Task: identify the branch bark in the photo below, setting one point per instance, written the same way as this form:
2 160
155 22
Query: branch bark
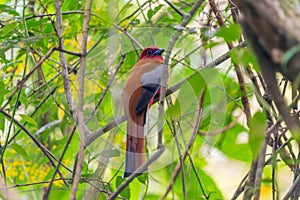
83 130
272 32
63 61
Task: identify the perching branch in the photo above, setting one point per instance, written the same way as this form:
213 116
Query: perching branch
83 130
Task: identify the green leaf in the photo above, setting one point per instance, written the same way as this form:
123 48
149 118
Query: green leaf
13 12
20 150
29 120
143 178
9 27
189 93
9 10
126 7
249 58
23 98
126 192
257 125
289 54
2 122
110 153
245 57
229 34
232 146
150 14
73 5
2 91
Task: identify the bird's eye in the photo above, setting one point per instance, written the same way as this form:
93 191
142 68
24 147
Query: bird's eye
149 52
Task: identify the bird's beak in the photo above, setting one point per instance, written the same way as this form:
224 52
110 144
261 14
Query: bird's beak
158 52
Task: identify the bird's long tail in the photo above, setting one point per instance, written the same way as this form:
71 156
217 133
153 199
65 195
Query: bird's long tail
135 150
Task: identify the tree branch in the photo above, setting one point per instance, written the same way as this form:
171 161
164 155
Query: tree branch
83 130
63 61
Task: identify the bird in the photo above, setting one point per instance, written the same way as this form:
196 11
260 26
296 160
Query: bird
141 88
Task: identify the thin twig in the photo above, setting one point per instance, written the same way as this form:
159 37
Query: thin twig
131 38
107 88
192 163
174 7
21 82
77 171
66 51
47 192
240 76
259 171
53 14
169 102
242 185
240 188
189 145
295 185
133 13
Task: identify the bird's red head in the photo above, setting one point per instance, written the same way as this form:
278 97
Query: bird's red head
152 52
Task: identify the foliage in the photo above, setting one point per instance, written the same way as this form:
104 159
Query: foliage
37 124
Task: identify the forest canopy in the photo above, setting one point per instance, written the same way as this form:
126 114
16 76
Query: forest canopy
226 125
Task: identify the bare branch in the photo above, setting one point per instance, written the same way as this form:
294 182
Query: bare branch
63 61
174 8
83 130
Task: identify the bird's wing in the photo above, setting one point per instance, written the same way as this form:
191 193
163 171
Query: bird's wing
150 82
